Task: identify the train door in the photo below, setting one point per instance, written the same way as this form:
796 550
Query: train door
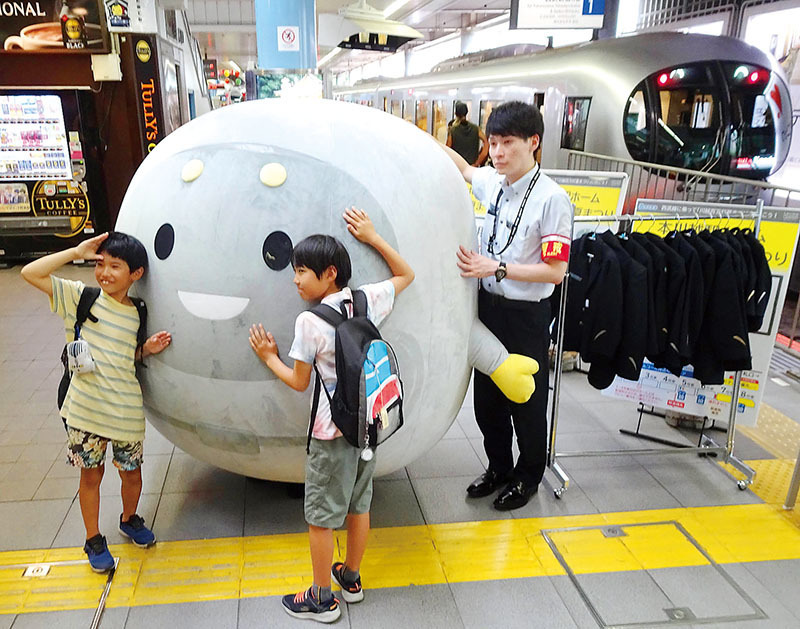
440 120
421 114
409 111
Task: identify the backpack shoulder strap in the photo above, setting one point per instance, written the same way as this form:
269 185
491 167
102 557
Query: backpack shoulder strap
359 303
141 308
89 295
318 384
328 314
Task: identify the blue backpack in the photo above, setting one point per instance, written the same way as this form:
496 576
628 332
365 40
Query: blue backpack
367 405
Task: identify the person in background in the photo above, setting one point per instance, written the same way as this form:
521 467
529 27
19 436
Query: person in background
466 138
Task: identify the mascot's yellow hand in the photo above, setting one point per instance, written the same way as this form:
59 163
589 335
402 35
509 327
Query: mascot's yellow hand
514 377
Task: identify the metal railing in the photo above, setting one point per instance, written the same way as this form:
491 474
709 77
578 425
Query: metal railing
657 181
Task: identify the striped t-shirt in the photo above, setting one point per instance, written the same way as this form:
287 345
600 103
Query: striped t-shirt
108 400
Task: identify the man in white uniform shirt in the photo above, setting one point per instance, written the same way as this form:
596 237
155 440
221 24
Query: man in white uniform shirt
523 254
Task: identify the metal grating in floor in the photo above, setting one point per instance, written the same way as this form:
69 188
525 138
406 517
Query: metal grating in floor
638 590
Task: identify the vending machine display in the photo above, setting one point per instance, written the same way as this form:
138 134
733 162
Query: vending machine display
50 183
33 140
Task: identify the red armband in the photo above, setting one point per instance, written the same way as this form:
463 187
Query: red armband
555 247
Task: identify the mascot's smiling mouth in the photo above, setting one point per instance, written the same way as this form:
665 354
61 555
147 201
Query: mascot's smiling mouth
214 307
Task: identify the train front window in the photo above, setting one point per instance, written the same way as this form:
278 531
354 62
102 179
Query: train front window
752 143
636 130
689 133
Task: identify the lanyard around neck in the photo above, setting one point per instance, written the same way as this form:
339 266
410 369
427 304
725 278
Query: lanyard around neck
515 226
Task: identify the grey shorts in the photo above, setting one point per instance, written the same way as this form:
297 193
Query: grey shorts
338 482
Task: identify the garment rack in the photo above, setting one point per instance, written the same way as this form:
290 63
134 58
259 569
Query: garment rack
706 446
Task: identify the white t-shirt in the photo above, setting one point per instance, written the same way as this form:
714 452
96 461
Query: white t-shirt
543 233
315 339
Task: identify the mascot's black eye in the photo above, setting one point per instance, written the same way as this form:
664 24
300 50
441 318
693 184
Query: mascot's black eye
165 240
277 251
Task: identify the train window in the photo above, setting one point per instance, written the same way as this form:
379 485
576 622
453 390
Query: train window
408 111
573 131
690 131
538 100
397 108
752 141
440 120
636 129
421 117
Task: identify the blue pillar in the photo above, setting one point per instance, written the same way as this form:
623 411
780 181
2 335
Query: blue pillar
285 34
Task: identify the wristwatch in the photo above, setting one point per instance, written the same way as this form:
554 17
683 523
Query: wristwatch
500 272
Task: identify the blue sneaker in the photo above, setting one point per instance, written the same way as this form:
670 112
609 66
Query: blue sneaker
305 605
96 550
135 530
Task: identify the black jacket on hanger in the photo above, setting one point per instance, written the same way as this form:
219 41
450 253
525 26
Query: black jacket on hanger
723 343
593 323
639 253
763 281
660 282
707 261
677 346
692 316
627 362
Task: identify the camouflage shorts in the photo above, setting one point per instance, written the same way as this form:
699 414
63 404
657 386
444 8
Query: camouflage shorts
89 450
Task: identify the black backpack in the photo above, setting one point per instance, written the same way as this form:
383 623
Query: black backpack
89 295
367 405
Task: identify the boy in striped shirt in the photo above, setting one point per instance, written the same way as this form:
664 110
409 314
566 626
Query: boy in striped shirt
105 404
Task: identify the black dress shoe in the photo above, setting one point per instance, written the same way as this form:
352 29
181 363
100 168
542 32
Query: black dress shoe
485 484
515 495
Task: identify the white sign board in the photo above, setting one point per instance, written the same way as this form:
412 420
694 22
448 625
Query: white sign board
557 14
288 38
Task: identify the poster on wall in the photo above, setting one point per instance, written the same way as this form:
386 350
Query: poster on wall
657 387
74 26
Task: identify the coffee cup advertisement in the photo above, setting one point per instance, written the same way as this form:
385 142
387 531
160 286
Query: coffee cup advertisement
53 26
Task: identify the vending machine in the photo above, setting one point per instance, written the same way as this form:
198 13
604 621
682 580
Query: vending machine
51 188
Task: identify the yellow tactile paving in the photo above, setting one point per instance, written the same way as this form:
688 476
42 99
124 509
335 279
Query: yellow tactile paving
231 568
775 432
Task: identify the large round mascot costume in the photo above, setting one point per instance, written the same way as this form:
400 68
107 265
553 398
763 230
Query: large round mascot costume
219 203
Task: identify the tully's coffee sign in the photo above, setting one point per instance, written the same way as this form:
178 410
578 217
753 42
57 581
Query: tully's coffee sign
61 199
51 26
151 116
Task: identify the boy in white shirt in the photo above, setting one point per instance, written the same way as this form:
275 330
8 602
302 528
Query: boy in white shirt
338 483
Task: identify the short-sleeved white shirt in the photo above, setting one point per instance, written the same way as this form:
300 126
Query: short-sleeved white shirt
315 339
543 232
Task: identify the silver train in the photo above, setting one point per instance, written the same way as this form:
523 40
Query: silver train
705 103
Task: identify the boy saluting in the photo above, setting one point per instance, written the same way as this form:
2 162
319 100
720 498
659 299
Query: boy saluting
105 404
338 483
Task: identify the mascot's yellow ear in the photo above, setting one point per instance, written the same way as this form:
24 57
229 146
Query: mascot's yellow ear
514 377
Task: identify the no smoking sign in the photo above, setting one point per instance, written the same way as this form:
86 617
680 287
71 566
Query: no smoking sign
288 38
